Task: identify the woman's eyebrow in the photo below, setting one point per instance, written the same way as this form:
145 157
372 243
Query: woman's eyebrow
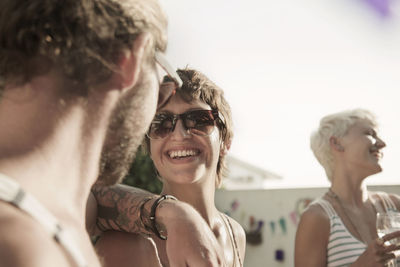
168 112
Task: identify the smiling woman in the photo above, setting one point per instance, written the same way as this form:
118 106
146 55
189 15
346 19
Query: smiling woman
188 140
339 229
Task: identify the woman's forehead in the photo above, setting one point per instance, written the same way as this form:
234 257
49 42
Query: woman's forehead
178 105
364 124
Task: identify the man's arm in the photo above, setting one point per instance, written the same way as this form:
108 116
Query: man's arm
118 208
190 240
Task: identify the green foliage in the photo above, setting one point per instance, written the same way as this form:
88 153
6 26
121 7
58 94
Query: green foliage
143 174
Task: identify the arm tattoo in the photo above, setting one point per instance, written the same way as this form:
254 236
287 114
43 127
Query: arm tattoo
119 208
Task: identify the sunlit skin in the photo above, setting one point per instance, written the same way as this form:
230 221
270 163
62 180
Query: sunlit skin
196 171
356 156
362 150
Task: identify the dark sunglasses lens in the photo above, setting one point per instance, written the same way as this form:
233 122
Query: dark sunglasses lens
161 126
167 89
200 122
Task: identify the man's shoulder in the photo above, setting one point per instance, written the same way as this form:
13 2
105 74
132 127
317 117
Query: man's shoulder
15 223
23 241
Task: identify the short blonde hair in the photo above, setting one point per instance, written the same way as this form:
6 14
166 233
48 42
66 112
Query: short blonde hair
335 125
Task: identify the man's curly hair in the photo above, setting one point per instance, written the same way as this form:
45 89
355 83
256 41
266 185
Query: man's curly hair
83 38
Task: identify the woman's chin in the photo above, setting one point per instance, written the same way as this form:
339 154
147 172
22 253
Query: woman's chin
377 169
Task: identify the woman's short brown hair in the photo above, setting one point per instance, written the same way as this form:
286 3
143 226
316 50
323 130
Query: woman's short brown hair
197 86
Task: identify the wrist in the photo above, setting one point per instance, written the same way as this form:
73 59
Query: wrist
144 214
157 229
153 212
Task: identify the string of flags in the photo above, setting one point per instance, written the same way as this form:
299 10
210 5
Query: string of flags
254 226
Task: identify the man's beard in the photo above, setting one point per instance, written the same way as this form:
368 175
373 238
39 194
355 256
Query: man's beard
126 130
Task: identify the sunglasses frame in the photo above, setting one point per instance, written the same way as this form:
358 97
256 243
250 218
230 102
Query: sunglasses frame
165 65
175 117
168 88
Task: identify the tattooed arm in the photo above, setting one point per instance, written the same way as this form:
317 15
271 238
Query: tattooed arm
190 241
117 208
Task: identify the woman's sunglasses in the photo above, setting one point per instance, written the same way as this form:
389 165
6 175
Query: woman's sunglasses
198 122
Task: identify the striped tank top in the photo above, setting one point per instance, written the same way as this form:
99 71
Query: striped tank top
343 248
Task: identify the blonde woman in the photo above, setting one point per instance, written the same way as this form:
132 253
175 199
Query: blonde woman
339 229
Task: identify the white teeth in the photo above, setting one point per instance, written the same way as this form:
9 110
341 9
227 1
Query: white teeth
182 153
377 154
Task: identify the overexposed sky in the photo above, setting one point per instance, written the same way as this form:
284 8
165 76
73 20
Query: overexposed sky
285 64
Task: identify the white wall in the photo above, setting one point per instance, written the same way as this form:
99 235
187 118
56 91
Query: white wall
271 206
285 64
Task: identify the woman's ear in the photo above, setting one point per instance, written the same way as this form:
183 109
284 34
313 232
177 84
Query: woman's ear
335 145
130 63
225 146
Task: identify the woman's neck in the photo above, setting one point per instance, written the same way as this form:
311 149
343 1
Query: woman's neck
353 192
199 196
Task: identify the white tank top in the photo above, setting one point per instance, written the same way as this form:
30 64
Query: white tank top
343 248
11 192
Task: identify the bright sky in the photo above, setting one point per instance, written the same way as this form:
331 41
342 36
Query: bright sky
285 64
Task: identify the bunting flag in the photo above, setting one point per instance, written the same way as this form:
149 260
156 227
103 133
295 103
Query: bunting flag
282 223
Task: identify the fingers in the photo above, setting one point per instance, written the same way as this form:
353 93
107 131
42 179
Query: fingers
379 242
385 258
384 250
391 236
384 247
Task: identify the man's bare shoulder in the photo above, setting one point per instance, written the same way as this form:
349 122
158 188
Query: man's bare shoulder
24 242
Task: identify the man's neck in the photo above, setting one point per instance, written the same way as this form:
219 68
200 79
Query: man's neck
50 146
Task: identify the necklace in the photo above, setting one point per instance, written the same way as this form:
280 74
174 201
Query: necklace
336 197
233 239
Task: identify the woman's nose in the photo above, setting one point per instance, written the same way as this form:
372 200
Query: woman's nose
180 130
380 143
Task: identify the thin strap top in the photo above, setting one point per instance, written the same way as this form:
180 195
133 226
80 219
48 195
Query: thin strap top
232 236
10 191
